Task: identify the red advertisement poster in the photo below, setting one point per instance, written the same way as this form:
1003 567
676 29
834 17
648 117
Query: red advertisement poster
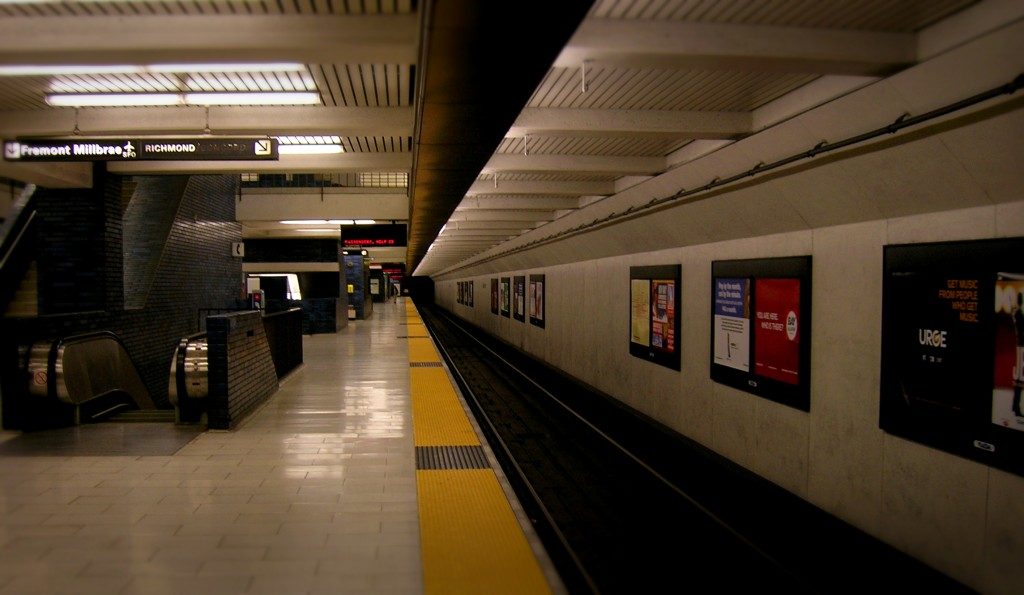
777 329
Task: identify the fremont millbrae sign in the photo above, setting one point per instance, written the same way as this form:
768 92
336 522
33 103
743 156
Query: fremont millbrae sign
133 149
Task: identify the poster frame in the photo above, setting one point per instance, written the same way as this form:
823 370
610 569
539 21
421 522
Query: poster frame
537 284
494 295
505 297
652 273
519 298
966 429
796 395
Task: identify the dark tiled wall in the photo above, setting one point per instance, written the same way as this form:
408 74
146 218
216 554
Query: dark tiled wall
319 315
358 276
242 372
147 223
195 270
78 237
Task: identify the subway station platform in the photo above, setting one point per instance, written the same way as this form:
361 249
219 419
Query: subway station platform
364 473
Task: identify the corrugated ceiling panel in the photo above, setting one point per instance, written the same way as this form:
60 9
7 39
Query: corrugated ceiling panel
363 85
550 145
698 90
377 144
558 177
878 15
119 8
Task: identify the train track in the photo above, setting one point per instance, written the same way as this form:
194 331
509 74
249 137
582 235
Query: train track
625 506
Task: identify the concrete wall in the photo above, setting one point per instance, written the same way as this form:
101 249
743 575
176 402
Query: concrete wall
959 516
955 176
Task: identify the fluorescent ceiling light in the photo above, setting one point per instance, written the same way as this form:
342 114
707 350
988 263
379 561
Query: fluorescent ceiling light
59 69
113 99
341 221
309 149
365 221
44 70
305 222
237 67
309 140
259 98
129 99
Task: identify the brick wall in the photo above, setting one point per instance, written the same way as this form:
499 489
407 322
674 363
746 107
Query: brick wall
81 257
242 372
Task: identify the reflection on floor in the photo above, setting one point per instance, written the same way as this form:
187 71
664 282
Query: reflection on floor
315 493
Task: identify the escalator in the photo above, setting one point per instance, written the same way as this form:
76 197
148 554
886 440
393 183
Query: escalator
94 374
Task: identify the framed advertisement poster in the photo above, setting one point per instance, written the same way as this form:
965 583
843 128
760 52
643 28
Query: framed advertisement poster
494 296
654 314
519 298
458 292
760 327
506 297
953 348
469 293
536 298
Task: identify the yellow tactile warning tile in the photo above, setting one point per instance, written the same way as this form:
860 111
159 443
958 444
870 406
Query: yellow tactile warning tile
471 541
422 350
438 416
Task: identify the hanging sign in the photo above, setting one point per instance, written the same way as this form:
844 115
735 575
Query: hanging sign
135 149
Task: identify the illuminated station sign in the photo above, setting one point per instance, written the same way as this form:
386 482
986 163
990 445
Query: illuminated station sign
135 149
374 236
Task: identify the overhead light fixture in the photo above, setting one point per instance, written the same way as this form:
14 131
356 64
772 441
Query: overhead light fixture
46 70
257 98
365 221
152 99
113 99
69 69
235 67
317 222
309 149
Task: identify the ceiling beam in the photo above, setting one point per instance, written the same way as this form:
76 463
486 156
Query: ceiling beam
653 124
315 205
470 88
525 202
545 188
510 215
264 120
488 224
575 164
49 175
686 45
176 39
343 163
480 233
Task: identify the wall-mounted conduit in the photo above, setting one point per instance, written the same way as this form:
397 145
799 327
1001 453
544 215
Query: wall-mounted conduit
904 121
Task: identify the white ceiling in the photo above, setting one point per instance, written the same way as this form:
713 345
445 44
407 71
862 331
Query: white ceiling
642 87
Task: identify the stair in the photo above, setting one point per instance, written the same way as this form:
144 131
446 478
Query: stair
143 416
26 300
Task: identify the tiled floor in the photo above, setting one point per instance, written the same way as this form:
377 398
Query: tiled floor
315 493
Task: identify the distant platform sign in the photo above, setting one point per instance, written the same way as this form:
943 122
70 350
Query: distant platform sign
134 149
